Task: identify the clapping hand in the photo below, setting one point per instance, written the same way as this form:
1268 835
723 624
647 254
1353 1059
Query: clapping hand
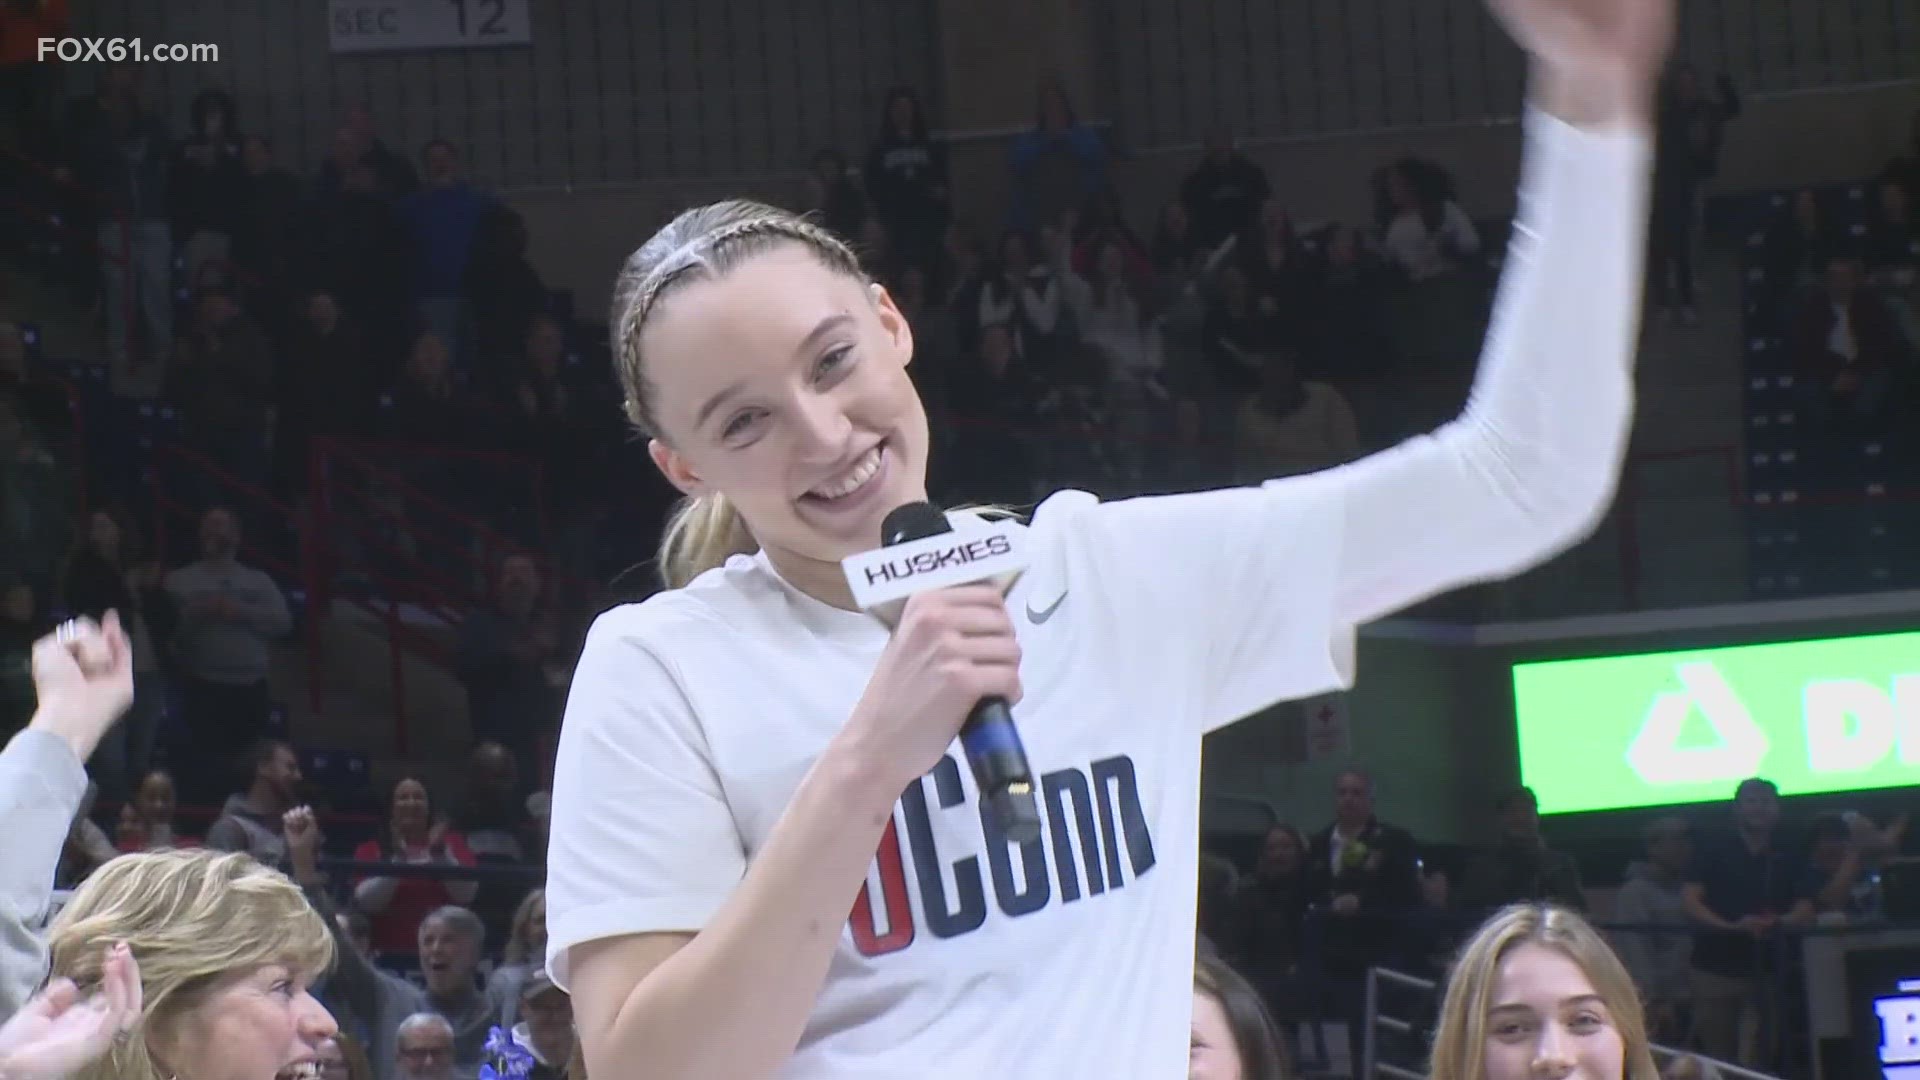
58 1032
82 680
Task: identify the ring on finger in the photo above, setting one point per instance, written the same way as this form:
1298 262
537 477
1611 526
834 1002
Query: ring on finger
67 632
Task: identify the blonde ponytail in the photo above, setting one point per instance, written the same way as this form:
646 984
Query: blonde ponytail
703 533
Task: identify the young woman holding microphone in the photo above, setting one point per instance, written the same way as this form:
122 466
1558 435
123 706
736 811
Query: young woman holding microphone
735 747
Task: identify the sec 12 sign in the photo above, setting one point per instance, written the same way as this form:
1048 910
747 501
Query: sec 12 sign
1607 733
355 26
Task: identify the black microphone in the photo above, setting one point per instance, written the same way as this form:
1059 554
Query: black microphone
992 743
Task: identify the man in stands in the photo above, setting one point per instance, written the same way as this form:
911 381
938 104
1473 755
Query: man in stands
1520 866
547 1028
1743 886
508 658
251 820
1847 344
229 615
426 1049
450 941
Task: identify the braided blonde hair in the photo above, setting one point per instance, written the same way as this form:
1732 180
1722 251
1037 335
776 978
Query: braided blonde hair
701 244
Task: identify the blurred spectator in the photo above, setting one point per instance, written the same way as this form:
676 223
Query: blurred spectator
499 832
1176 249
1426 234
1057 165
21 624
369 1004
450 941
443 218
1364 877
356 144
1273 906
1687 152
1520 867
1101 222
223 373
525 954
209 182
1893 234
264 217
41 401
1653 896
1742 886
252 820
547 1031
33 504
355 247
964 278
1276 265
1847 346
29 87
877 254
1235 322
229 615
1290 425
834 197
87 847
507 294
1347 327
105 573
510 656
428 406
992 396
1905 169
1022 294
426 1049
907 179
1803 241
323 390
1224 192
119 153
151 827
397 903
1836 872
1110 315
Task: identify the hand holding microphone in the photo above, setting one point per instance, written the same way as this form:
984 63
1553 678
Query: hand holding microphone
953 662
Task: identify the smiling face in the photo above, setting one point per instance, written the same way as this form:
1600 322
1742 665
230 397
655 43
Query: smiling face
258 1025
1547 1022
782 384
411 808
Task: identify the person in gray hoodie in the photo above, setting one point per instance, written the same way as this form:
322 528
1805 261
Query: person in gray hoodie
83 682
1652 897
251 819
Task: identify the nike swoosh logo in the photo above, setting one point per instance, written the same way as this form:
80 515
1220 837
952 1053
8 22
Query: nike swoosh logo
1042 615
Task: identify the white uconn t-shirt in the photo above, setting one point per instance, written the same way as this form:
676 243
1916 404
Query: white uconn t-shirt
1143 624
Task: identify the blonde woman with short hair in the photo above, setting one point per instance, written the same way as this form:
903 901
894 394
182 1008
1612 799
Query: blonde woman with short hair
227 950
1536 992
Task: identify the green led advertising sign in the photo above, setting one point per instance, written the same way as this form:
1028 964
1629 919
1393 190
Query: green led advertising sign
1837 714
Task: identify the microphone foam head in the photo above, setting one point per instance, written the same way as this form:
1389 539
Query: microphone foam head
914 521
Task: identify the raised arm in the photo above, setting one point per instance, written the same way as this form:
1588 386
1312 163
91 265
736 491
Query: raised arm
1531 464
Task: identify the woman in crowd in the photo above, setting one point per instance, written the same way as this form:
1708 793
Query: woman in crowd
525 953
1233 1036
104 573
1537 992
396 904
907 179
147 820
226 950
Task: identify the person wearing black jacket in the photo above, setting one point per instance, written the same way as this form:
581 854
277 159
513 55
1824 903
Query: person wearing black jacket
907 180
1687 152
103 574
209 184
1224 192
1364 880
